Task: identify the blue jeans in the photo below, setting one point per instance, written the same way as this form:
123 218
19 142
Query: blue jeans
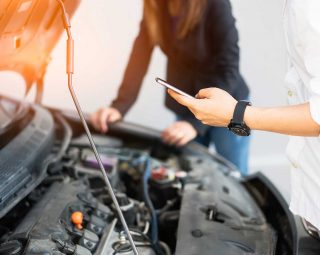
232 147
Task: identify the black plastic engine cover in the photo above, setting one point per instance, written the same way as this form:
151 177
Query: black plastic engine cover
219 217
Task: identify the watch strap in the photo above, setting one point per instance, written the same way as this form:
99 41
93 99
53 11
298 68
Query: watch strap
239 111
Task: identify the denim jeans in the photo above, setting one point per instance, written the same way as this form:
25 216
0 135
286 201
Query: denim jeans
232 147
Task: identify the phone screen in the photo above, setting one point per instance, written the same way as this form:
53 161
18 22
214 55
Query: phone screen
169 86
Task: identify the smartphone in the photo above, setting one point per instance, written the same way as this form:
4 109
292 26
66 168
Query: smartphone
167 85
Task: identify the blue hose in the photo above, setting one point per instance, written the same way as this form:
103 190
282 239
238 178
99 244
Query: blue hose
154 222
146 175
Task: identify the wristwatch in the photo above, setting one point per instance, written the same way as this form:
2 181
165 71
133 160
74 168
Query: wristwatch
237 125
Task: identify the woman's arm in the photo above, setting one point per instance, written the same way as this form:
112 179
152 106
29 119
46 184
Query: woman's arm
223 39
131 83
215 107
136 69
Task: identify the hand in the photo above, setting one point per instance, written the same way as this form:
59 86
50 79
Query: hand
212 106
179 133
101 118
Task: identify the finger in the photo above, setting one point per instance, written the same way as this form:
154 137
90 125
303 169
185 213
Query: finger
167 137
113 118
181 99
176 137
164 136
95 121
183 141
170 129
206 93
166 140
103 121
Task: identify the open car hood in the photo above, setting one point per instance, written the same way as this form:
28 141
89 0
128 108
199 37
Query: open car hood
29 29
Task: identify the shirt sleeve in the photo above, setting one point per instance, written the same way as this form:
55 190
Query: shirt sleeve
312 56
224 38
135 71
197 125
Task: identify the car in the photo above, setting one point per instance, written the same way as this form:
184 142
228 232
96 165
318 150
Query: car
53 198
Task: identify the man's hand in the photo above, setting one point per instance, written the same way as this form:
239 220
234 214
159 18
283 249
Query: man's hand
212 106
179 133
101 118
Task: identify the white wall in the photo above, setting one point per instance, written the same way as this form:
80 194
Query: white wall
263 64
104 31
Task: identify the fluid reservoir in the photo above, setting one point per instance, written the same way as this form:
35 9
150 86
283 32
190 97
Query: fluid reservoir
163 186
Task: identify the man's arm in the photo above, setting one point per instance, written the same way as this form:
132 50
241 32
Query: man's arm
290 120
215 107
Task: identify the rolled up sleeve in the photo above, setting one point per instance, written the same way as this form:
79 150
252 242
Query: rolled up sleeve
312 56
315 101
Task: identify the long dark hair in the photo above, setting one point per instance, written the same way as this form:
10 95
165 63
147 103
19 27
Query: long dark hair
192 11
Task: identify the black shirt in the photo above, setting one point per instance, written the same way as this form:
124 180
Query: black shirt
207 57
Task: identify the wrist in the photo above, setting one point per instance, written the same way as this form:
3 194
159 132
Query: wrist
252 117
237 124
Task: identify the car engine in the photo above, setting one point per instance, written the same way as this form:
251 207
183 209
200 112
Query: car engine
175 201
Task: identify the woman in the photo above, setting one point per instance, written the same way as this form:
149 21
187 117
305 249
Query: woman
200 40
301 119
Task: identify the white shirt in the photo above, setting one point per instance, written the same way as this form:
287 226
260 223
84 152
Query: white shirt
302 29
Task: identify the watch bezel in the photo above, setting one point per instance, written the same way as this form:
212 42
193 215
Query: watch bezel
240 129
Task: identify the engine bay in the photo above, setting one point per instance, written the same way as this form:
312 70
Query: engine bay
53 197
174 201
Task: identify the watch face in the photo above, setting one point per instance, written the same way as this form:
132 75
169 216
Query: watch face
239 129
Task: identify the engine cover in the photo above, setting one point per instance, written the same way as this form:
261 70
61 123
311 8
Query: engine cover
213 218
